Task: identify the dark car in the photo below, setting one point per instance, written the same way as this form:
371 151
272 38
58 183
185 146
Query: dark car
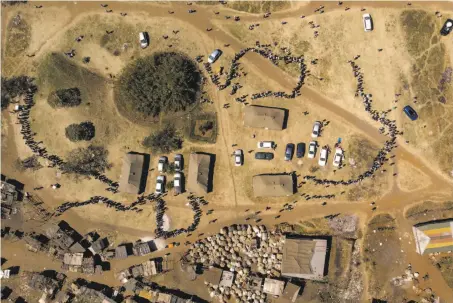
410 112
289 151
264 156
447 28
300 152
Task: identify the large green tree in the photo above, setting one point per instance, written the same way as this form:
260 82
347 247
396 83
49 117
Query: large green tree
162 82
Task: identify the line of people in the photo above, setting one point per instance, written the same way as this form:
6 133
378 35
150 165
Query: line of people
23 115
380 116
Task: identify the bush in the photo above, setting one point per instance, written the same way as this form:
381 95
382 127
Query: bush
87 161
165 140
78 132
31 163
68 97
163 82
13 87
206 126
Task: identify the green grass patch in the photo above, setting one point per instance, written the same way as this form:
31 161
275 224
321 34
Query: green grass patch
18 33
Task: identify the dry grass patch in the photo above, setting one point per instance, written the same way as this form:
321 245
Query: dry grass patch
428 211
18 33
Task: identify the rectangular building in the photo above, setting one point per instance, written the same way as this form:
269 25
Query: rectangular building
131 173
199 176
433 237
304 258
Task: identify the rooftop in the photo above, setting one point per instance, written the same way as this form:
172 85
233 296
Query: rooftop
433 237
199 176
131 173
273 185
264 117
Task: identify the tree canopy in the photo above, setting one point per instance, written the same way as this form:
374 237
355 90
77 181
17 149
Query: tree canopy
82 131
162 82
164 140
66 97
87 161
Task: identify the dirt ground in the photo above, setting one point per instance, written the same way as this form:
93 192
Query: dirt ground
404 66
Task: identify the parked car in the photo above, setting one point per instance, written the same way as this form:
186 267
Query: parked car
177 183
143 38
312 149
238 157
160 185
162 164
266 144
367 22
300 150
410 112
323 157
316 129
264 156
214 56
289 151
338 157
447 27
179 164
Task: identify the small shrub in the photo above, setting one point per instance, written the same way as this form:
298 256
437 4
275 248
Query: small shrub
314 169
170 185
87 161
31 163
165 140
78 132
68 97
206 126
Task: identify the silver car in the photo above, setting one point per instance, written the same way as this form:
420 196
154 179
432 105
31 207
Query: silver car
316 129
177 183
160 185
214 56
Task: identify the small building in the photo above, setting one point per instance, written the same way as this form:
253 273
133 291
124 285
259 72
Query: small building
163 298
264 117
73 259
141 249
273 287
77 248
256 283
132 173
279 185
98 246
227 279
121 252
304 258
149 268
433 237
200 176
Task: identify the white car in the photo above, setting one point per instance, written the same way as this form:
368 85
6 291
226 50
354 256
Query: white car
178 162
160 185
143 38
238 157
177 183
316 129
338 156
266 144
367 22
214 56
312 149
162 164
323 157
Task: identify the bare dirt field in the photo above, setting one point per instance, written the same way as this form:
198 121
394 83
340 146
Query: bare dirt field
403 60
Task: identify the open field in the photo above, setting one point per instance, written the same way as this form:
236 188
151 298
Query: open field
367 251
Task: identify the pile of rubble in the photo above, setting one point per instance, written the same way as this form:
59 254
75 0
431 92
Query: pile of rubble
243 250
238 247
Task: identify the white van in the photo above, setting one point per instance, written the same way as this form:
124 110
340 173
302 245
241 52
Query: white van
143 39
367 22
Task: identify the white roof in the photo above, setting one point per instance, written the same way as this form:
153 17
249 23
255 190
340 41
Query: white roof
227 278
273 287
